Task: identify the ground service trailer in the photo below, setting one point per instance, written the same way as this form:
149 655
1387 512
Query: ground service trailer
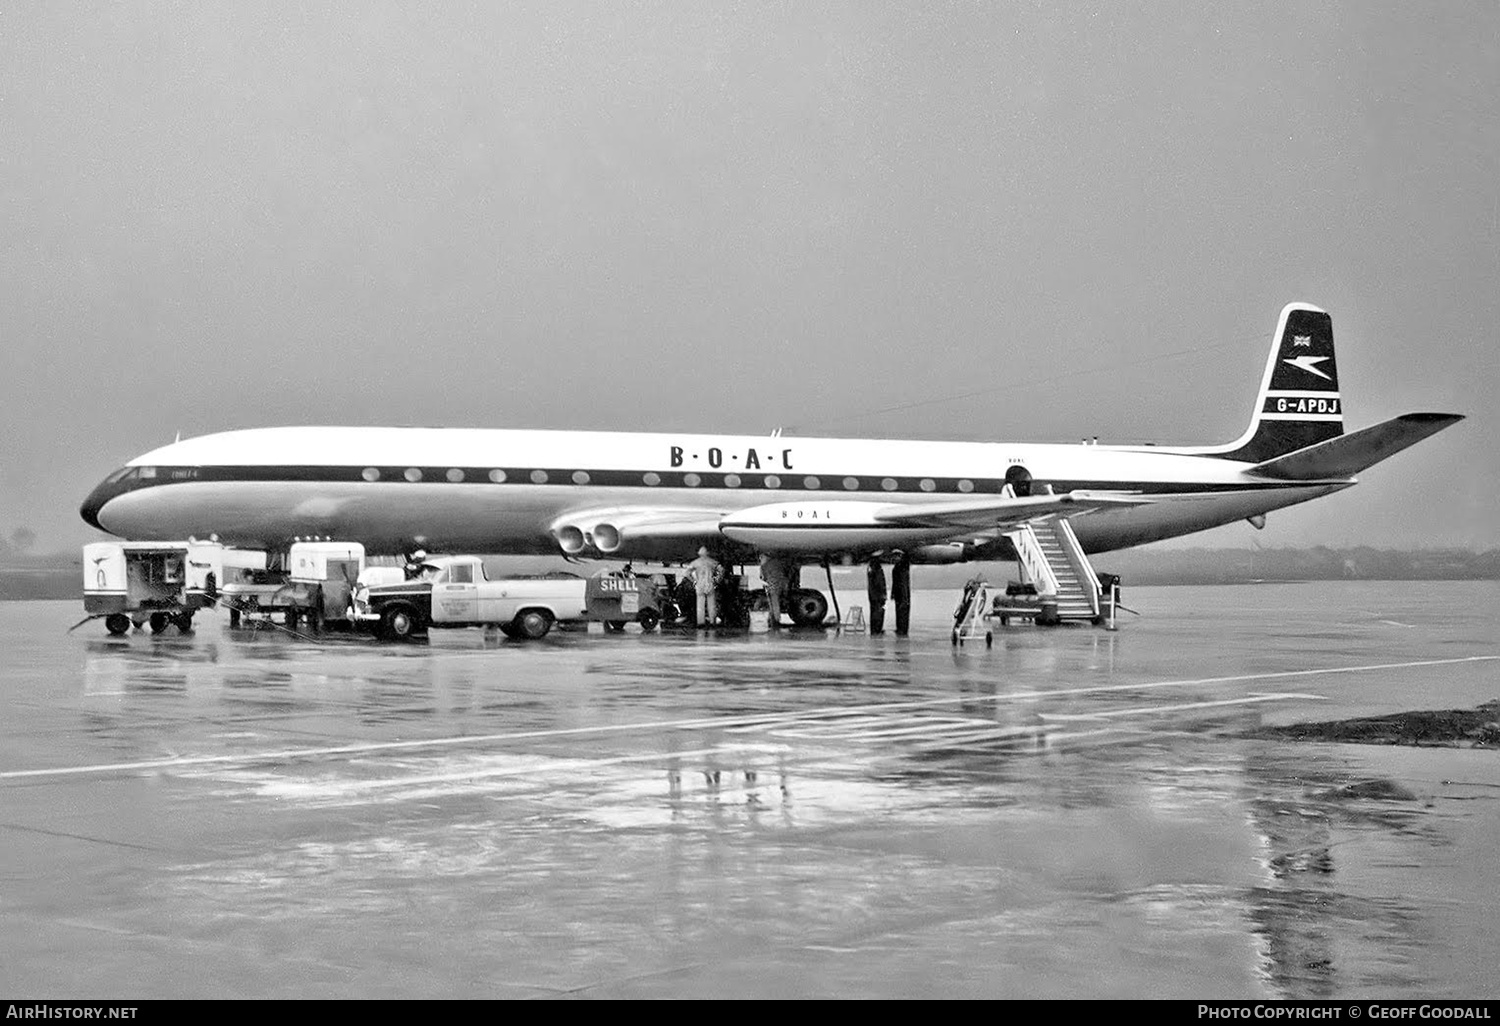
313 584
159 584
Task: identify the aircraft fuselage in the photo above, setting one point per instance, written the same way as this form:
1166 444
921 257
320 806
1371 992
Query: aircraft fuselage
507 491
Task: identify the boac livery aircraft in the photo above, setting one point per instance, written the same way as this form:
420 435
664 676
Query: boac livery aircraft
660 496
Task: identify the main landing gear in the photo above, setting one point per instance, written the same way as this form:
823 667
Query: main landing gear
808 607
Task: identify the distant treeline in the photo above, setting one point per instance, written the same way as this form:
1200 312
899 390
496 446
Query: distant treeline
1247 566
60 577
1320 563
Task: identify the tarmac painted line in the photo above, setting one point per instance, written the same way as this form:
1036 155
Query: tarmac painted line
1148 710
857 718
767 719
1043 737
1033 735
904 728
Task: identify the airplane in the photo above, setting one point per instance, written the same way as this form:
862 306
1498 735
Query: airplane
657 497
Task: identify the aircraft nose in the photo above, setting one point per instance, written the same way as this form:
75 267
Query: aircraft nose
92 505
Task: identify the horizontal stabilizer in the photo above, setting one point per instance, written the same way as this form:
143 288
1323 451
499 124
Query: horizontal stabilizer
1349 454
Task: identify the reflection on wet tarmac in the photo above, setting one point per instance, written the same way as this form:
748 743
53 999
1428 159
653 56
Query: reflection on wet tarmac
1070 813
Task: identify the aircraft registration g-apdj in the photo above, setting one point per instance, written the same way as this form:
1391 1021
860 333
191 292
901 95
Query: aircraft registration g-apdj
658 497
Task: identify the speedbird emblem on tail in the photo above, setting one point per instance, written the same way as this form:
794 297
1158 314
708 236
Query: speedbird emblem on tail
1309 364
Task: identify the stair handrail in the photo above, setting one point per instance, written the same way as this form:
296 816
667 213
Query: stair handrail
1078 560
1035 569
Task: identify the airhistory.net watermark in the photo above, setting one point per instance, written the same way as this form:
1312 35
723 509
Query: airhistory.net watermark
68 1010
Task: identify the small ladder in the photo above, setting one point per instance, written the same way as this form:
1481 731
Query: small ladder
854 620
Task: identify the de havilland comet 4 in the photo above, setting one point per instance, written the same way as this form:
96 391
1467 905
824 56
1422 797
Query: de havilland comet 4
659 496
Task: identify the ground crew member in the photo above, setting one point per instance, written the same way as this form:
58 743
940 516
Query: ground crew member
413 568
901 593
706 573
774 573
876 588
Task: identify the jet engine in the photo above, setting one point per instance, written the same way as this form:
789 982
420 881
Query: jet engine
570 539
606 537
929 555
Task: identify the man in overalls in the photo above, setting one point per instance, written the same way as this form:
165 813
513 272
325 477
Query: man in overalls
773 572
706 573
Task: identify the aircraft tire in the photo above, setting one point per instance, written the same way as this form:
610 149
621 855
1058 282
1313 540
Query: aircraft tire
808 607
159 622
234 617
184 622
533 624
117 624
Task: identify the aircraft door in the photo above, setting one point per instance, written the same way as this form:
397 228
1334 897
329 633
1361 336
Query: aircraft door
1019 479
455 595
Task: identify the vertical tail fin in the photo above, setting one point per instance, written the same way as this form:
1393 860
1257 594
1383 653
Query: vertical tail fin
1299 403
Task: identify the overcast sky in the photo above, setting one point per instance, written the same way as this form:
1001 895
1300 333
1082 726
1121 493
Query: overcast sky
980 221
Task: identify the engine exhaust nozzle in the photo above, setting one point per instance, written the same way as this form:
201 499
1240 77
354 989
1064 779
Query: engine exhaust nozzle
607 537
570 538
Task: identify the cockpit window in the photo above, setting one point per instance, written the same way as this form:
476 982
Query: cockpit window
147 473
123 474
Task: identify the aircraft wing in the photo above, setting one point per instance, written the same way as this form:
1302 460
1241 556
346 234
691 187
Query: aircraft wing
1004 512
813 525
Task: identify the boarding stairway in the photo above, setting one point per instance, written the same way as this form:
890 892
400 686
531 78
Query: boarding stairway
1055 564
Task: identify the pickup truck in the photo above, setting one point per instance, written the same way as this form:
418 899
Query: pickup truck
454 591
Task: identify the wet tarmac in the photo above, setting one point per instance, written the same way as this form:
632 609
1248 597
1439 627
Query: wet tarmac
1071 813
